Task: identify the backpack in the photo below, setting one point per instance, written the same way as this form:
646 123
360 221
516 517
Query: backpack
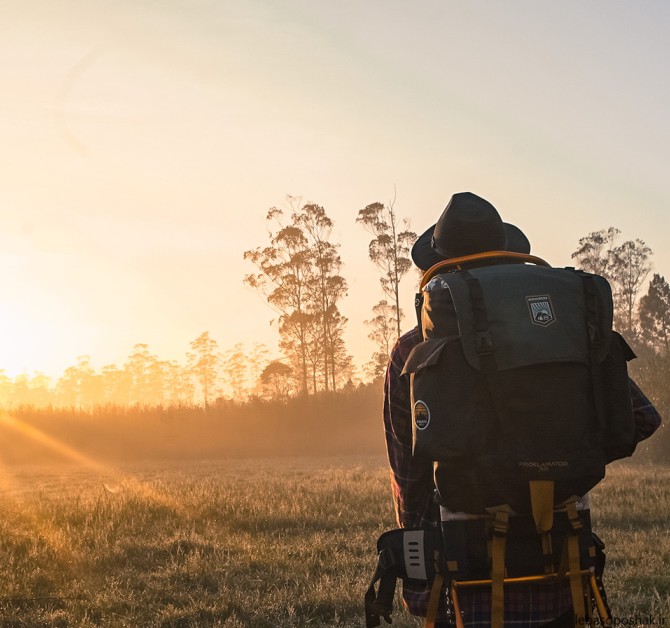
520 396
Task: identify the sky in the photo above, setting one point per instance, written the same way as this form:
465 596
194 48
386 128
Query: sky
142 143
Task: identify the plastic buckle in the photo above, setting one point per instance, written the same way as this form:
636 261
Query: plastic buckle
501 523
484 343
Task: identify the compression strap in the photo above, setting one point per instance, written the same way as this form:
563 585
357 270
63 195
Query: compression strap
498 544
576 582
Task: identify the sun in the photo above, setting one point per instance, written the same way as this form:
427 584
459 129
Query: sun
29 342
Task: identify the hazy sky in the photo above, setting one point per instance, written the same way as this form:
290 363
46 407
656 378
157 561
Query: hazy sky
142 143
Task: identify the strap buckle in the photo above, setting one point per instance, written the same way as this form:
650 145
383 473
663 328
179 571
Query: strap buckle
484 343
387 559
501 523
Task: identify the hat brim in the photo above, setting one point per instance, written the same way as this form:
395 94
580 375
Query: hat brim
424 256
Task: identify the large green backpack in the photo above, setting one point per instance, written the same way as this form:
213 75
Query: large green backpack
520 396
519 378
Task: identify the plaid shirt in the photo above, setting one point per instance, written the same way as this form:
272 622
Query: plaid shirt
412 483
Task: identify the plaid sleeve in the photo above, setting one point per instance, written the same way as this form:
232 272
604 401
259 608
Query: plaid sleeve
647 418
411 478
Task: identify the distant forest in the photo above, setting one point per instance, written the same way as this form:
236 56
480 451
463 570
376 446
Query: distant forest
298 270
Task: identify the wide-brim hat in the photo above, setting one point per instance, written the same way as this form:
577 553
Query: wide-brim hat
468 225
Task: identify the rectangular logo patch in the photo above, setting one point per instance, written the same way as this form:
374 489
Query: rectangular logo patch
541 311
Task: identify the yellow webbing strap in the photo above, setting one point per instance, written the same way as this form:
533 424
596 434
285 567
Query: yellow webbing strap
542 505
589 608
500 527
435 591
605 618
434 601
576 587
457 606
547 551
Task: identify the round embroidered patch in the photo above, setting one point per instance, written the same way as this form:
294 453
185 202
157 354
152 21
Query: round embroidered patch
421 415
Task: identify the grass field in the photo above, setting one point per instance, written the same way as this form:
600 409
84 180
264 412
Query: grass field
268 543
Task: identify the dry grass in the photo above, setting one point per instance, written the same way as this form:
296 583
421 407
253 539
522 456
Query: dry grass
271 543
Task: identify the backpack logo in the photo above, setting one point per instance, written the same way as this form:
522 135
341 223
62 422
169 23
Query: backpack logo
421 415
541 311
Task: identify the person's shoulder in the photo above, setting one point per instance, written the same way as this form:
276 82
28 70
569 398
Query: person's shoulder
407 341
411 336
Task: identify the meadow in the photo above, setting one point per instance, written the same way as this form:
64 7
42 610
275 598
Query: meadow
273 542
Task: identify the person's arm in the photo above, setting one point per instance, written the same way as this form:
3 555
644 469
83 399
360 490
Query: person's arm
411 478
647 418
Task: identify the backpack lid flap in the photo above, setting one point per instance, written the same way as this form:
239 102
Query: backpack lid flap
525 315
426 353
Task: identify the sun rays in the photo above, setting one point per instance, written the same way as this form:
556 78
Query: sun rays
116 483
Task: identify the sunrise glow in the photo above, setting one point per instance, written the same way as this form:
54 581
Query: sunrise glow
143 146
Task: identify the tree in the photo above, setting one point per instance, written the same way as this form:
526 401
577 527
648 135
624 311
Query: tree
21 390
631 267
626 266
5 389
276 381
234 369
389 249
40 390
117 384
383 334
285 271
145 376
79 386
299 276
595 252
343 366
257 360
179 383
204 364
327 286
91 386
655 315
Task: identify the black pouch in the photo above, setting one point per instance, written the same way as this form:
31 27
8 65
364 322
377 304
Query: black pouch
408 554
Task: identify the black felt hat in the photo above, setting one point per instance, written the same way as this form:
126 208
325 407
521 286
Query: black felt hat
469 224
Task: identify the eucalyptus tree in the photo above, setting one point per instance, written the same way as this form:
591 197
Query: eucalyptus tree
654 314
595 253
625 265
234 368
383 333
276 381
204 364
145 376
632 266
327 287
299 275
389 249
284 271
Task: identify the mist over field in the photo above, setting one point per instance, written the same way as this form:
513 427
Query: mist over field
342 423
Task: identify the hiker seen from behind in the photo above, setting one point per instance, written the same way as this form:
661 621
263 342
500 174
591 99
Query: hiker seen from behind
502 408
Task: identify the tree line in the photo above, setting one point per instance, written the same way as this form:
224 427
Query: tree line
205 376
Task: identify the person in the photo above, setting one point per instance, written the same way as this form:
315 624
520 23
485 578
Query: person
468 225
